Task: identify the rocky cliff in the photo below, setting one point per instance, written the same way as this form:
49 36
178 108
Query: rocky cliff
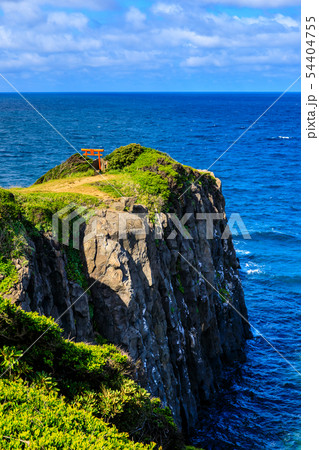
164 293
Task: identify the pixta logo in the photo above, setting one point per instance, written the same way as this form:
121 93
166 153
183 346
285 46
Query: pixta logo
66 224
71 218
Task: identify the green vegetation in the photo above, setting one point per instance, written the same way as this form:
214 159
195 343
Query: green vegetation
152 176
61 394
10 225
75 393
123 156
74 267
37 208
179 283
75 166
23 214
8 275
224 295
35 418
12 239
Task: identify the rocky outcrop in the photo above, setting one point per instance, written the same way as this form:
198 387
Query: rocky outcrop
167 298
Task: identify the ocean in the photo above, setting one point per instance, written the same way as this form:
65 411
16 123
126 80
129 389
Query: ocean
258 406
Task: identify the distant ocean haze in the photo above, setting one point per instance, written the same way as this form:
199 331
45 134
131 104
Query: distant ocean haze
259 405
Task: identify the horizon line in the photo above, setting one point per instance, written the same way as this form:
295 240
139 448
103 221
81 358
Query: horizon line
150 92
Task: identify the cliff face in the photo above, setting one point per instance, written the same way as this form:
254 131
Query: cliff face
157 298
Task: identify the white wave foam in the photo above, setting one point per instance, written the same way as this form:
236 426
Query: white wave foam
242 252
252 268
250 271
283 137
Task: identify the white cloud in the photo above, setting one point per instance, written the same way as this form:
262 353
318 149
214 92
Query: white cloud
64 20
202 61
25 12
65 43
95 5
37 38
165 8
81 4
135 17
286 21
253 3
179 36
6 38
221 59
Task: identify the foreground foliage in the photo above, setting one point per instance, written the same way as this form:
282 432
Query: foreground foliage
34 417
78 390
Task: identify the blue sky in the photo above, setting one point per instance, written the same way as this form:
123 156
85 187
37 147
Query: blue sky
124 45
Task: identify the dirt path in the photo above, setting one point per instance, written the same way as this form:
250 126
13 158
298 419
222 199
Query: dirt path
73 185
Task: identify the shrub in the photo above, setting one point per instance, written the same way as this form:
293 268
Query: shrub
124 156
90 379
8 275
153 177
35 418
9 210
143 172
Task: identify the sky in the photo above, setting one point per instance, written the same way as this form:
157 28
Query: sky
149 46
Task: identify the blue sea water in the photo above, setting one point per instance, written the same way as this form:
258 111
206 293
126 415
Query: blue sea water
259 402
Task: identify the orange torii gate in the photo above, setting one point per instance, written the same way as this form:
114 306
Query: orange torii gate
90 152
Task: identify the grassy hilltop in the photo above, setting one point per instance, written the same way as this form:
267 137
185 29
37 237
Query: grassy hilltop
151 177
61 394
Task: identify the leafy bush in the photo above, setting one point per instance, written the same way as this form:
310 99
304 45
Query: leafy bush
91 379
123 156
37 418
131 408
8 275
9 210
143 172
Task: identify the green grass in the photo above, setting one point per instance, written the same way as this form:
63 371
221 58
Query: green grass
153 177
75 166
13 243
23 215
38 208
